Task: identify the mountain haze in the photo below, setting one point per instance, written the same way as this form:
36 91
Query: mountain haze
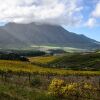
22 35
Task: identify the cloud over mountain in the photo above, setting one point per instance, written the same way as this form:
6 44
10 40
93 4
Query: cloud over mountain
60 12
48 11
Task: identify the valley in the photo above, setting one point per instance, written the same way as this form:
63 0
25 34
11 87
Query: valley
49 49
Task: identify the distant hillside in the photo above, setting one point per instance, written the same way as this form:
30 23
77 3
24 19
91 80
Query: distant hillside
25 35
78 62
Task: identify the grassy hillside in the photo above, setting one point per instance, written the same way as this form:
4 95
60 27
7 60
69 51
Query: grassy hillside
89 61
43 60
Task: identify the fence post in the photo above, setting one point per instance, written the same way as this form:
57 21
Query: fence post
29 77
99 83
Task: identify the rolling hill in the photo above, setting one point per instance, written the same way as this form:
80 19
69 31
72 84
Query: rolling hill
89 61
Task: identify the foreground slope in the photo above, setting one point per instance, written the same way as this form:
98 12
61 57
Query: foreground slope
25 81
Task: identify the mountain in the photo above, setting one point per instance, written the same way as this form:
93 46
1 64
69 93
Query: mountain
8 41
25 35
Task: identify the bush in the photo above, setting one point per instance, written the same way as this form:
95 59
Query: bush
55 87
36 82
58 88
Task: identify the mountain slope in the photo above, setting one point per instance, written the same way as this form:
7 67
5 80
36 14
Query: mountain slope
44 34
9 41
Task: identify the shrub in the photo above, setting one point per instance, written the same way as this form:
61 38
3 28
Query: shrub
88 86
36 82
58 88
55 87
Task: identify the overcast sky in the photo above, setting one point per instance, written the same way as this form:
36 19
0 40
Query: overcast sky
80 16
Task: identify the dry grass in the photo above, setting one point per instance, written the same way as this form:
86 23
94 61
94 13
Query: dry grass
18 66
42 60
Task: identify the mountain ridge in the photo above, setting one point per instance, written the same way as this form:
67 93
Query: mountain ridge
44 34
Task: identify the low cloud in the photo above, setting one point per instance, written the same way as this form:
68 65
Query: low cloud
91 22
